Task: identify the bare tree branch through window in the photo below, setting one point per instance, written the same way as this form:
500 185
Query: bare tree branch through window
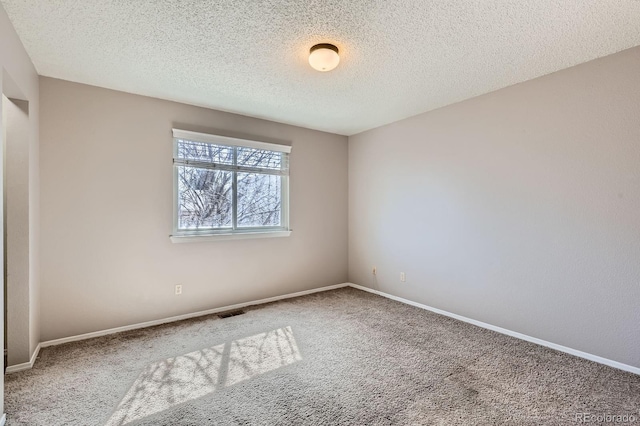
229 187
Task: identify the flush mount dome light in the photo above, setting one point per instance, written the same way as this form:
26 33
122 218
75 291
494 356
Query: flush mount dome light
324 57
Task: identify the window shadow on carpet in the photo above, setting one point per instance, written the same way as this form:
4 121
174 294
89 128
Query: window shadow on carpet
176 380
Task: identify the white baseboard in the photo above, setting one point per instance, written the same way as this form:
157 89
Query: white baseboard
24 365
595 358
585 355
3 419
183 317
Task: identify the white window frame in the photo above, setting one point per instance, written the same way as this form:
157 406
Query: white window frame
181 235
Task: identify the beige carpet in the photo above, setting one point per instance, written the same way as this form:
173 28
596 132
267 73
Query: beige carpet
343 357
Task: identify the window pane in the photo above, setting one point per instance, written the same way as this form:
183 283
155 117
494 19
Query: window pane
259 200
199 151
204 198
251 157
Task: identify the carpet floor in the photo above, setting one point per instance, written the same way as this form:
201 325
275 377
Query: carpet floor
342 357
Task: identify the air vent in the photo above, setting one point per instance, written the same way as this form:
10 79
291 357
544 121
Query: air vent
230 314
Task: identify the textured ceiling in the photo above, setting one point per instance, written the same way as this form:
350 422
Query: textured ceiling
398 57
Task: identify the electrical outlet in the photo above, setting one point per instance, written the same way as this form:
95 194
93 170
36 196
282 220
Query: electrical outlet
178 289
374 271
403 277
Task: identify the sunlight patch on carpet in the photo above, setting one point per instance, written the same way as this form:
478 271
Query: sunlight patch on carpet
258 354
186 377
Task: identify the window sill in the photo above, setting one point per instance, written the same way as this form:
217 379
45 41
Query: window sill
230 236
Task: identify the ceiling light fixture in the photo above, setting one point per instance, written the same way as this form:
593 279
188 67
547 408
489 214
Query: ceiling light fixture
324 57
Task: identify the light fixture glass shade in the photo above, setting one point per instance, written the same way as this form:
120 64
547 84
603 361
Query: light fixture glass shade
324 57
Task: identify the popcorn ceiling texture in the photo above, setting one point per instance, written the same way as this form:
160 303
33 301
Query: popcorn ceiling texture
398 57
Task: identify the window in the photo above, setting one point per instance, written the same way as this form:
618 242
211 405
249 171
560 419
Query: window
227 187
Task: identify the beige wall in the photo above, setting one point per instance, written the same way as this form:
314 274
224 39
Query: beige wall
106 169
17 218
3 135
19 80
519 208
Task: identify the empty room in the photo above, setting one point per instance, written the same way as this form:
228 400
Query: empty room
322 212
